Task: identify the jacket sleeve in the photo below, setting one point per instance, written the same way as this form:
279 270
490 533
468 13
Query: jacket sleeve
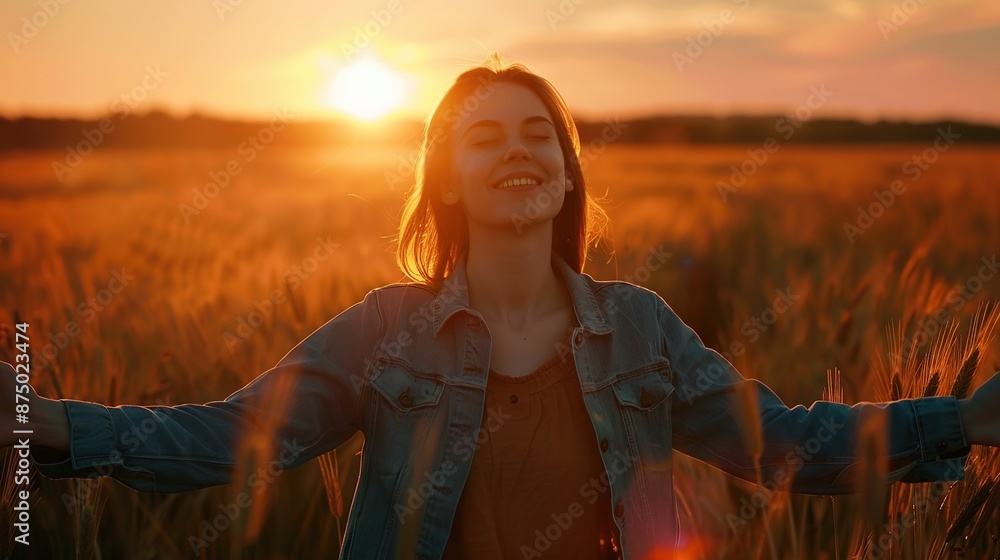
306 405
805 450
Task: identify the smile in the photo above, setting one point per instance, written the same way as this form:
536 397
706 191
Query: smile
517 182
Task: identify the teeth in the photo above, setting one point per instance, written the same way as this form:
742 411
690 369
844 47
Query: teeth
517 182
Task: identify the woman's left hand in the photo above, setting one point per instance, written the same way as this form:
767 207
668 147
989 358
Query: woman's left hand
981 413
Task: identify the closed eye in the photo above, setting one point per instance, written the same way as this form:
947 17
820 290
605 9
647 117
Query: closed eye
487 141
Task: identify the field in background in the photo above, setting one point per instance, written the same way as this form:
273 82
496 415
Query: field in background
180 330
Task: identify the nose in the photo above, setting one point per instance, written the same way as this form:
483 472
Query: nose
516 150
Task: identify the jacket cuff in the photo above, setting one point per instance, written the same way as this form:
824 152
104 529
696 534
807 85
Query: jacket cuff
92 442
940 429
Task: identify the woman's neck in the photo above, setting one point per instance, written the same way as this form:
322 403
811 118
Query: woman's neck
510 275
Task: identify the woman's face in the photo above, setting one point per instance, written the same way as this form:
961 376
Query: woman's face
507 167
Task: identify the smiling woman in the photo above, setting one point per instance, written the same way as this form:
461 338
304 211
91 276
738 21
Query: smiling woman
366 90
512 406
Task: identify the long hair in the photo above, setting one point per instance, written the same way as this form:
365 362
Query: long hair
432 234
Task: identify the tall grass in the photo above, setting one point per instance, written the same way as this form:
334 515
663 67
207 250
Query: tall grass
161 340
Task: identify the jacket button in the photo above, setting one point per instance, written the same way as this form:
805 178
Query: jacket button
404 398
513 399
619 510
604 444
645 398
578 339
941 446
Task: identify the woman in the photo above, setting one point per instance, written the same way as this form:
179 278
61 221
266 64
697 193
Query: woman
512 406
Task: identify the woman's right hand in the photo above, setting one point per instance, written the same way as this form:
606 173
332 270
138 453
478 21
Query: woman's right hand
46 417
7 403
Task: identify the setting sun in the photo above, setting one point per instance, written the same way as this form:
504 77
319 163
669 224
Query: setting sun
366 90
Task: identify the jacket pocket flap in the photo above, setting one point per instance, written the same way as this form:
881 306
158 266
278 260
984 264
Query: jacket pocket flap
644 391
404 388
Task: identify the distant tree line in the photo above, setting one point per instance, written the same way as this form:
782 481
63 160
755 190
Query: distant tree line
162 130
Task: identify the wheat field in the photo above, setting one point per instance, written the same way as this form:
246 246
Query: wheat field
134 300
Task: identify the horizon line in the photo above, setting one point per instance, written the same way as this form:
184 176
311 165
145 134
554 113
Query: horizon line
586 117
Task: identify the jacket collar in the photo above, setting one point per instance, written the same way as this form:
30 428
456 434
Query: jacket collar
454 296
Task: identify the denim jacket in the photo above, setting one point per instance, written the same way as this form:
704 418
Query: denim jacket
408 366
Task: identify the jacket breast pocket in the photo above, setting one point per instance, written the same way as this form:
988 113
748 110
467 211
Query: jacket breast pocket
645 403
404 389
406 419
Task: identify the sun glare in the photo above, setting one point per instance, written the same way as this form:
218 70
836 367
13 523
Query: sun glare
367 90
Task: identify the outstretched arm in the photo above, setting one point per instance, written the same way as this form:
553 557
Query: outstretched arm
811 450
306 405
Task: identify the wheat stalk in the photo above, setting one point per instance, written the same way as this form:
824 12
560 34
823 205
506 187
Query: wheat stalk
932 386
896 388
963 382
88 517
969 512
990 506
834 391
331 481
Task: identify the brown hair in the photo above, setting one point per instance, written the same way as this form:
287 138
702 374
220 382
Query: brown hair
433 235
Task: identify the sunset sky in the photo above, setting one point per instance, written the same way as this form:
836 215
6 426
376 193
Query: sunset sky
248 58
